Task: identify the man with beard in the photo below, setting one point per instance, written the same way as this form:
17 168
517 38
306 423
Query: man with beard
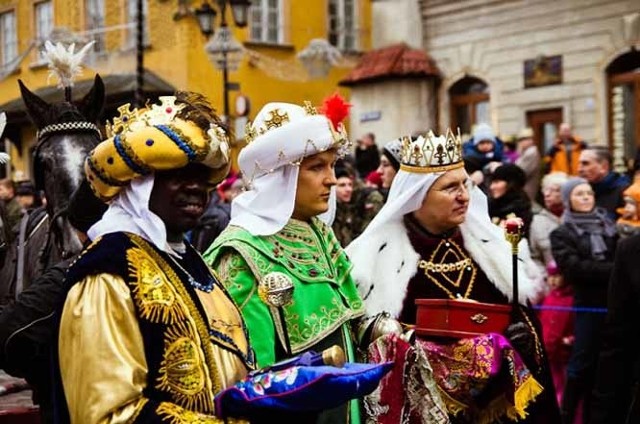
433 239
147 333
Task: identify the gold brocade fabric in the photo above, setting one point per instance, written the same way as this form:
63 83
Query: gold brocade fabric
224 317
102 359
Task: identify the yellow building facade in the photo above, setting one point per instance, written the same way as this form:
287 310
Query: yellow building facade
174 49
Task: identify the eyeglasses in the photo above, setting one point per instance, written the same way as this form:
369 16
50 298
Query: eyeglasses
459 190
550 190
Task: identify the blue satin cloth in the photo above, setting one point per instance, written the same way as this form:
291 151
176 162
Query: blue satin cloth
299 389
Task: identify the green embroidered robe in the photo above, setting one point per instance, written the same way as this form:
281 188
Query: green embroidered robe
325 297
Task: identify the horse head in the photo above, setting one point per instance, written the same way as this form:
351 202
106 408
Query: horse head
66 134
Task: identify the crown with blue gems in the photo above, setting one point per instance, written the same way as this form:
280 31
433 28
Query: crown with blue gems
431 153
155 138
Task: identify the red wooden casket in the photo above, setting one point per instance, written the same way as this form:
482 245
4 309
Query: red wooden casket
460 318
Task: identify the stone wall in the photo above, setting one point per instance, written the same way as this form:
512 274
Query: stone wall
391 109
491 39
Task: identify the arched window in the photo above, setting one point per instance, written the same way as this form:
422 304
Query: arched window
469 99
623 75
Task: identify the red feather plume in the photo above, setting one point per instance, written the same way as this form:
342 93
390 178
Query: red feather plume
335 108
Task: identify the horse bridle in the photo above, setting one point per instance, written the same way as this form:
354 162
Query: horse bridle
67 126
42 136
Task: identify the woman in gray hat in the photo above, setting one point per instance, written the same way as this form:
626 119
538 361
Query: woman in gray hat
583 247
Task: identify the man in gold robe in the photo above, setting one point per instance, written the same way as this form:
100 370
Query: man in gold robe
147 332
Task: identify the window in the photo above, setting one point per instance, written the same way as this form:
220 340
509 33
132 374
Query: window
8 38
94 11
623 75
132 19
343 31
469 104
43 19
266 21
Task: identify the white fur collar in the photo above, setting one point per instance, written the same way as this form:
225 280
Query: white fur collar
385 261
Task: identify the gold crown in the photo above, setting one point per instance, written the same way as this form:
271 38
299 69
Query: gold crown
431 154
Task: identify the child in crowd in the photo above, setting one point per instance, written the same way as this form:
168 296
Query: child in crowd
629 222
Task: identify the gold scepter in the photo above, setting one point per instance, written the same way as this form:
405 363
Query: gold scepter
513 233
276 290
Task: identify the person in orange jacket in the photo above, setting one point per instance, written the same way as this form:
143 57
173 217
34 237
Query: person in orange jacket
564 155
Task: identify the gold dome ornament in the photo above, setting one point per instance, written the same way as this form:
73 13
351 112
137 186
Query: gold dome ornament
276 290
370 328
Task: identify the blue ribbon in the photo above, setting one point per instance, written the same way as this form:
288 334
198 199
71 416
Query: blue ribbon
570 309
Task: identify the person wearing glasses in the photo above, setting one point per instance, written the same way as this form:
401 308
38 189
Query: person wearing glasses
434 239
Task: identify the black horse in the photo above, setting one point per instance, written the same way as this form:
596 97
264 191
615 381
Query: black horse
66 134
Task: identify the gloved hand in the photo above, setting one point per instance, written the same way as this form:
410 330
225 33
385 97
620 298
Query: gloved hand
522 339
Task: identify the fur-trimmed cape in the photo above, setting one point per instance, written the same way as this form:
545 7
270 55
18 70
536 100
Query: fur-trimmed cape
384 262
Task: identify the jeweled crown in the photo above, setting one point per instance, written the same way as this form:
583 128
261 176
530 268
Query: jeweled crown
431 153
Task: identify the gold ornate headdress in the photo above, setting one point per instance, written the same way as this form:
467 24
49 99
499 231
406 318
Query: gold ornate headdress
431 153
153 139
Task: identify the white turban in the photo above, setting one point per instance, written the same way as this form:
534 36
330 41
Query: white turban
283 135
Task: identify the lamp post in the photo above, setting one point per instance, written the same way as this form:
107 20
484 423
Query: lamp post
223 50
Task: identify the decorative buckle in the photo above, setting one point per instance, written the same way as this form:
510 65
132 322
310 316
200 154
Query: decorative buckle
479 318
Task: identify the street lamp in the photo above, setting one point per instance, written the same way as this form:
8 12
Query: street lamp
223 50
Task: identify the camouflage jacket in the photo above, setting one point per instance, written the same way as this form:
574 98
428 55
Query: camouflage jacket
353 217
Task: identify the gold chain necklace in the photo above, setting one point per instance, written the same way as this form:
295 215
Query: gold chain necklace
462 265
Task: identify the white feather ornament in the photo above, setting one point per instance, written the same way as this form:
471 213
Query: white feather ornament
64 64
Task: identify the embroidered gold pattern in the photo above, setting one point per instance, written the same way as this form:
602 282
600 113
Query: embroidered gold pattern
299 248
173 414
152 291
309 108
449 266
182 370
197 330
276 119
